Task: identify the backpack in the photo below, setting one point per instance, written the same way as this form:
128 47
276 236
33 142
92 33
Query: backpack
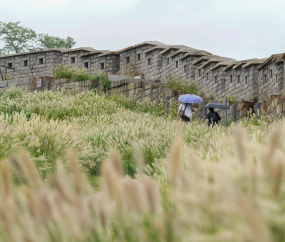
214 118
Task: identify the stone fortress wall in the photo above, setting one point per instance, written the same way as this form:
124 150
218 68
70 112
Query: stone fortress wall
31 64
218 77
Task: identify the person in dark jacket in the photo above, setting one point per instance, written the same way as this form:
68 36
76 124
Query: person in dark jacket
212 117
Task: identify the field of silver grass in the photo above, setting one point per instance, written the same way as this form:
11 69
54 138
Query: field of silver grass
92 124
188 182
236 193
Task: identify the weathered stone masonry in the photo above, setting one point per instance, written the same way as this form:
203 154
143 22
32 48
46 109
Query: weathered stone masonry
73 56
105 61
271 77
37 63
133 61
211 82
248 80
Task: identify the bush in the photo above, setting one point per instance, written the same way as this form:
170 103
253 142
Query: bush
61 71
76 74
178 85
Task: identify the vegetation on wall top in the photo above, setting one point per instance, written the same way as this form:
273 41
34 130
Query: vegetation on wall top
19 39
77 73
178 84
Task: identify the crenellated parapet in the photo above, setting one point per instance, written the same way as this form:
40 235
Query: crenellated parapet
216 76
29 64
242 79
133 61
210 77
271 76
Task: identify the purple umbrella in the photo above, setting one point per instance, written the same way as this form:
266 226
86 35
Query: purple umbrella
190 98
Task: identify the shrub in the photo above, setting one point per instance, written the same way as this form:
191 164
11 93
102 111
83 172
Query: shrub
77 73
61 71
181 86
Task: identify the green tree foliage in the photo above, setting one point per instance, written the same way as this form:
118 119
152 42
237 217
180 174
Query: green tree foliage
19 39
47 42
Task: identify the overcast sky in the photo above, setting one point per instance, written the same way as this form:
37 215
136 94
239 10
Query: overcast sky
239 29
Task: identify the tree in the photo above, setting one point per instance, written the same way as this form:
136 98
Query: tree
19 39
46 41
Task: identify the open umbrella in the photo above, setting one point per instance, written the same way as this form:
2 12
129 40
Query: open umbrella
217 105
190 98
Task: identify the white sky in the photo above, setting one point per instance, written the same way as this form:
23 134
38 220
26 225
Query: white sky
239 29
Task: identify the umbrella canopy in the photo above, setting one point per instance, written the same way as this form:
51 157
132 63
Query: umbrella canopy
190 98
217 105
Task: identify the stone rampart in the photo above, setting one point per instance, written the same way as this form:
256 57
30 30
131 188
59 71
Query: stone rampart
219 77
37 63
73 56
269 81
134 89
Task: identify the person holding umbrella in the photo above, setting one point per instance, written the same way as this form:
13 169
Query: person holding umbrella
213 117
185 109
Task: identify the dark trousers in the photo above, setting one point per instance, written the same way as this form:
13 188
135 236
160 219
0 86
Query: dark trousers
185 118
212 123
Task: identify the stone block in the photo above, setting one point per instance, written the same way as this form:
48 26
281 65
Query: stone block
130 86
279 108
115 84
64 85
13 82
271 106
147 92
3 84
81 83
87 83
45 88
57 81
122 82
123 88
135 85
153 96
95 83
147 86
52 87
131 92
